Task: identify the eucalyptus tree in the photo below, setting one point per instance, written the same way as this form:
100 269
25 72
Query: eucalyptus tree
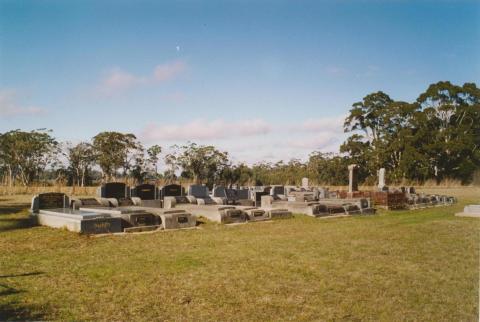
114 150
25 155
81 158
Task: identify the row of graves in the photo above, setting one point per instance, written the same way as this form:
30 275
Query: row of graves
393 198
120 208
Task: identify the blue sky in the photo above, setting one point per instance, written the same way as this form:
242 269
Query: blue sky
264 80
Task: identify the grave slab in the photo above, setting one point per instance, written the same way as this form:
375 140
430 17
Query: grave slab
79 221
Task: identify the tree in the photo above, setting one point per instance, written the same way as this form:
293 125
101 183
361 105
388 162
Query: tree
80 157
25 155
112 152
448 125
203 164
153 153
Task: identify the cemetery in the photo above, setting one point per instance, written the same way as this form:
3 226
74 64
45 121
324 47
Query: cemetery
146 207
239 160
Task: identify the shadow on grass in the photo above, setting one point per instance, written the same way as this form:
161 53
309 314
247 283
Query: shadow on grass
22 275
12 209
13 217
14 310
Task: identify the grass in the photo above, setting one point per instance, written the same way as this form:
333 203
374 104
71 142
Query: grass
417 265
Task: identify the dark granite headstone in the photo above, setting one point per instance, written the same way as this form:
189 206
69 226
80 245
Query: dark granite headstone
117 190
277 190
145 191
220 191
198 191
172 190
231 194
243 194
51 200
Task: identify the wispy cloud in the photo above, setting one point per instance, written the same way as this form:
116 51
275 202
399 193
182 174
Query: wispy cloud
325 124
202 130
117 80
168 71
9 106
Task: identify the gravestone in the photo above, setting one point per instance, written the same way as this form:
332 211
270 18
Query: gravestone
305 183
277 190
145 192
171 190
381 179
220 191
352 178
198 191
117 190
243 194
49 200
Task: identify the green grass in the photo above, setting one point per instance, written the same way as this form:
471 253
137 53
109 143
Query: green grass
417 265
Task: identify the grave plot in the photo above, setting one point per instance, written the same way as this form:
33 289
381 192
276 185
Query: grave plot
217 213
254 213
392 199
305 208
132 218
52 210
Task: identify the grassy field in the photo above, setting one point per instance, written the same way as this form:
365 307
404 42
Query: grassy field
417 265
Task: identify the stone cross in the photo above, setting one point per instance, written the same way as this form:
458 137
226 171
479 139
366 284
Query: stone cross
381 178
352 178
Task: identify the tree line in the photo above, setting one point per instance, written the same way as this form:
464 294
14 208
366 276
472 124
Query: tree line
435 137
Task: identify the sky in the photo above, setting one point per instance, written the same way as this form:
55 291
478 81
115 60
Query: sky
263 80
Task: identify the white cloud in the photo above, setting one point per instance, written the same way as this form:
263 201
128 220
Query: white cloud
324 124
168 71
202 130
116 80
9 106
254 140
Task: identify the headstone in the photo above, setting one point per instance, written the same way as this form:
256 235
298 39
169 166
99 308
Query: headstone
49 200
305 183
171 190
352 178
220 191
52 200
381 178
198 191
145 192
117 190
277 190
243 194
